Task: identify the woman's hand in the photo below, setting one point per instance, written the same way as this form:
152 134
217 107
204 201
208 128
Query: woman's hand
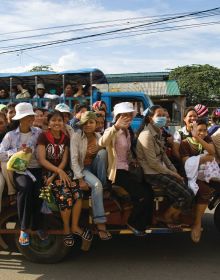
50 180
194 130
170 140
93 150
206 158
83 185
134 163
64 177
122 122
178 177
25 149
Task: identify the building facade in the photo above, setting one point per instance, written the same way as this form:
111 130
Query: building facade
157 85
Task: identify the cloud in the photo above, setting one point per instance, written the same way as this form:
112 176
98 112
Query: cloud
67 61
19 69
153 52
124 62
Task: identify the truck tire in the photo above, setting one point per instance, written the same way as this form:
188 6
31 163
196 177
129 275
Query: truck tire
8 217
49 251
217 217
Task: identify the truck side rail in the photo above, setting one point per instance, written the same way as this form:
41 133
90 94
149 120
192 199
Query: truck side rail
48 103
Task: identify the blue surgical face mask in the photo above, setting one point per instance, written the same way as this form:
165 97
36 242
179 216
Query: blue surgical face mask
160 121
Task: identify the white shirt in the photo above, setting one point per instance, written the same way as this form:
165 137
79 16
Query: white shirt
25 140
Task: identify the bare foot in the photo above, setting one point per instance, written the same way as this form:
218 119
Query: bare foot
196 233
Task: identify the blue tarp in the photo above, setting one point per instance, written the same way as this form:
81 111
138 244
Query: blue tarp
82 75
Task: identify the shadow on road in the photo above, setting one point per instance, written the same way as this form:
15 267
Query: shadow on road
155 256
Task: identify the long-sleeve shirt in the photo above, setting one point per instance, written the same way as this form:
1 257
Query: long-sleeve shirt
151 153
12 142
78 149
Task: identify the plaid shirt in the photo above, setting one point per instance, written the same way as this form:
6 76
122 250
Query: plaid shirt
11 143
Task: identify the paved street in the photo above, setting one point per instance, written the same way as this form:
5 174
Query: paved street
164 257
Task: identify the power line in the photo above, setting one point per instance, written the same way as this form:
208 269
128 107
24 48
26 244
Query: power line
148 31
102 26
152 31
88 23
107 32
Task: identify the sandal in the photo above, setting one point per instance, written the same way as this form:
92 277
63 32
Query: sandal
25 237
107 236
68 240
43 235
86 234
175 226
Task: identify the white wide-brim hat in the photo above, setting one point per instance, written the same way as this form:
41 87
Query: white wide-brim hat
40 86
23 110
123 107
63 108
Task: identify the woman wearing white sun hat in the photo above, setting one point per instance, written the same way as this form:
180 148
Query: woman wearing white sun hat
28 183
118 142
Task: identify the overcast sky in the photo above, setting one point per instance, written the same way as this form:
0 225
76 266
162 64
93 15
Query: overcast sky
143 53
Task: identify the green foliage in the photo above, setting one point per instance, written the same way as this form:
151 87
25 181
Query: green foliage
41 68
200 83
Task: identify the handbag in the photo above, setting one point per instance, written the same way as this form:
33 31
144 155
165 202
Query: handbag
137 172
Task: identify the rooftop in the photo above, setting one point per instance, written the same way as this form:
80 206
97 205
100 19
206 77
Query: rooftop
137 77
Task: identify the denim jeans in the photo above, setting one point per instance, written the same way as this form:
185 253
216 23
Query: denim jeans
99 166
96 183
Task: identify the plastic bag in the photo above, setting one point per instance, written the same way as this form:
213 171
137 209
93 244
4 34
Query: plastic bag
45 208
47 195
19 161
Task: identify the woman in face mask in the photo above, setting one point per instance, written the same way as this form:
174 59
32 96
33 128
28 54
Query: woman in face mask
158 169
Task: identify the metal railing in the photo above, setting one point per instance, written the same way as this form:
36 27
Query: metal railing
48 103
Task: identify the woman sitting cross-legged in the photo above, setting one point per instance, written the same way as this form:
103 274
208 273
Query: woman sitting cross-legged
53 153
89 164
118 142
158 169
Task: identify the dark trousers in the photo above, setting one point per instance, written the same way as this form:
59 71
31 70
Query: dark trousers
179 195
142 197
28 201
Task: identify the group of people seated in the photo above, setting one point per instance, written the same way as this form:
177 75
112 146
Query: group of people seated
22 91
74 152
